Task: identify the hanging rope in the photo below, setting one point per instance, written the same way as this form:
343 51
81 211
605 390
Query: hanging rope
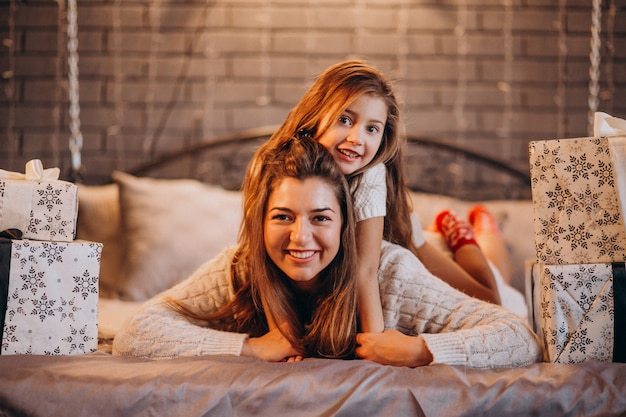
594 69
76 137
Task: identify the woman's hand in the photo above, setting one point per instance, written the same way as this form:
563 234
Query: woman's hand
393 348
272 346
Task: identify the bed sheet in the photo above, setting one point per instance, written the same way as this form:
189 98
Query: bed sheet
105 385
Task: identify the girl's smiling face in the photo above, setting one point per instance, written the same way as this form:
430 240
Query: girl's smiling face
354 139
302 229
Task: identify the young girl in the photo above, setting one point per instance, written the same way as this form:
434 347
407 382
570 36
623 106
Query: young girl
352 110
297 250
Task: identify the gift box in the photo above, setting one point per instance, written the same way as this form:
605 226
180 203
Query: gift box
49 297
578 192
581 310
38 204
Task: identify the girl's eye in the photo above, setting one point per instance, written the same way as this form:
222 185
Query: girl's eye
344 120
373 129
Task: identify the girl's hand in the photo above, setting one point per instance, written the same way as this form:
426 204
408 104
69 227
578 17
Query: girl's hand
393 348
272 346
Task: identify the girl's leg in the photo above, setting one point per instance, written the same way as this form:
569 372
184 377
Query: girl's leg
491 241
464 246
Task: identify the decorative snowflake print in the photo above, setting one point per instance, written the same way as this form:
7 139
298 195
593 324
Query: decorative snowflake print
77 339
20 302
602 352
586 302
577 236
68 309
56 225
49 197
51 252
588 200
559 198
33 224
578 167
55 352
9 336
579 341
565 308
604 174
547 310
546 159
43 307
96 251
610 245
551 228
33 280
85 285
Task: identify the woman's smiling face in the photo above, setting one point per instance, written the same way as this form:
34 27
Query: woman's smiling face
302 229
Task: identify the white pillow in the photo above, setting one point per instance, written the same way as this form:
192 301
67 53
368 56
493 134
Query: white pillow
169 228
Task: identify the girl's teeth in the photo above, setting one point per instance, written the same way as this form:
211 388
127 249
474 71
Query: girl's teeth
348 153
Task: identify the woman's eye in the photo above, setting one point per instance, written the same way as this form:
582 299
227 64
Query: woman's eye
281 217
321 219
373 129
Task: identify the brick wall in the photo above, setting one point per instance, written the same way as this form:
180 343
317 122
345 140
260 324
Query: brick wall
158 75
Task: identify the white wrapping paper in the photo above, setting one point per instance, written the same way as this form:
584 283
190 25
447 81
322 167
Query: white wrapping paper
576 312
38 204
52 303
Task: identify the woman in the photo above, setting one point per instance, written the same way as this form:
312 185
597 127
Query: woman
297 252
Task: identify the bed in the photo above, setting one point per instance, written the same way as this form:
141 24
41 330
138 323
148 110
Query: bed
136 218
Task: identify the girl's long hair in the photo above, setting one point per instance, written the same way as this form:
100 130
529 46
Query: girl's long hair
320 324
320 108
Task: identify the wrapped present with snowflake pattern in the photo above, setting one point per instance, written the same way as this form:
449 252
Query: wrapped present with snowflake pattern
579 193
38 204
49 296
582 311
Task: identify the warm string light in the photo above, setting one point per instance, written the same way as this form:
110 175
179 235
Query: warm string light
562 70
60 90
594 68
154 16
114 132
9 89
460 115
610 52
505 132
76 138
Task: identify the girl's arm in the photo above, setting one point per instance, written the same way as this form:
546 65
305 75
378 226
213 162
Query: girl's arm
369 234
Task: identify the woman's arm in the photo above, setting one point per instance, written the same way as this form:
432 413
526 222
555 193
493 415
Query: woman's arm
456 329
393 348
369 235
158 331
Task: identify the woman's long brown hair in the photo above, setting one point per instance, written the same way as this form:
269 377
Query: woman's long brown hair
322 105
321 324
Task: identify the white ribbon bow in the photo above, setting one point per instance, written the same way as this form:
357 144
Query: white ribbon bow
607 125
34 172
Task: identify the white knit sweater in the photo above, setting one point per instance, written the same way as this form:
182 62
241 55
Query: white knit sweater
458 330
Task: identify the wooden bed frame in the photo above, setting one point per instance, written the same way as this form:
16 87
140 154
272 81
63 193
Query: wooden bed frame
433 166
